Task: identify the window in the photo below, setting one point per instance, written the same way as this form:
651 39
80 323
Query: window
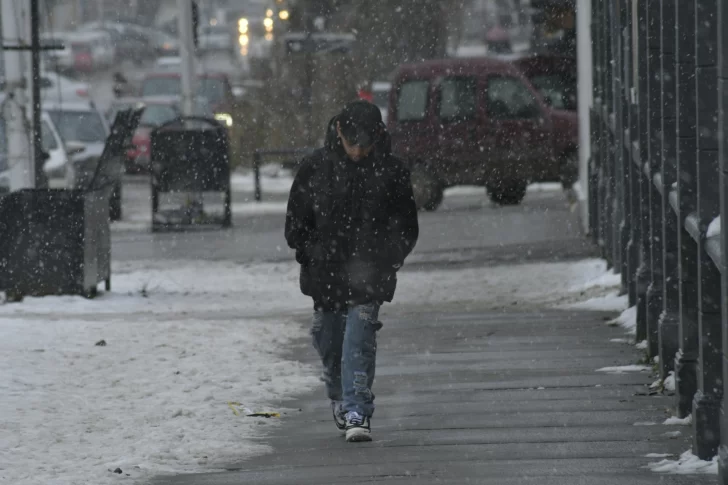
158 114
557 90
412 101
458 98
83 126
509 98
46 137
162 86
212 88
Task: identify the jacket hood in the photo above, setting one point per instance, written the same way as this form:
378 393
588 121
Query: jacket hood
383 146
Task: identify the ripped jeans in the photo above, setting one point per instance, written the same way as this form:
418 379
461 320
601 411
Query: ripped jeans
347 344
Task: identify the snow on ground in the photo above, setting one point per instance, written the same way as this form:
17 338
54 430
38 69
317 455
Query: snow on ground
622 369
277 182
687 464
610 302
147 393
675 421
628 320
182 339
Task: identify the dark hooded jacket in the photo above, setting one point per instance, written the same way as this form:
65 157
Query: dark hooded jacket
352 224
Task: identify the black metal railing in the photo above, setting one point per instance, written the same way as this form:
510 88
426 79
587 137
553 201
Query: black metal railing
658 186
291 157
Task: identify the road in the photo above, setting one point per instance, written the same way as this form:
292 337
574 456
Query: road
466 230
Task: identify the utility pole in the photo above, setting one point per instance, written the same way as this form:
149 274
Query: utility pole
21 172
187 53
41 180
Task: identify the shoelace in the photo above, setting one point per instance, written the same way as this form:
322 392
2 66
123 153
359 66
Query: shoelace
355 418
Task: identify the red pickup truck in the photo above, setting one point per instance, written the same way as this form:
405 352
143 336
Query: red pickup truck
493 122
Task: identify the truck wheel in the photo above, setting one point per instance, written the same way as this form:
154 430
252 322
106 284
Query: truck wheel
427 190
115 203
507 192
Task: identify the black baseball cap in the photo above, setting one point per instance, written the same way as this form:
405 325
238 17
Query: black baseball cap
360 123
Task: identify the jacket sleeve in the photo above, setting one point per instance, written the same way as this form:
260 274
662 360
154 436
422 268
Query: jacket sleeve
404 226
300 223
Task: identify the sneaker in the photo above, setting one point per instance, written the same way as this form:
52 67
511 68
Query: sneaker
357 428
339 415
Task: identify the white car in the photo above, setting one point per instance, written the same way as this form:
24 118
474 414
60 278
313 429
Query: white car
83 124
55 87
57 167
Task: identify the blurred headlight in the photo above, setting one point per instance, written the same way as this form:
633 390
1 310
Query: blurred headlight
283 15
244 40
224 118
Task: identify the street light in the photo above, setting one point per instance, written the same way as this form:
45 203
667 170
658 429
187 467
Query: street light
268 23
283 15
244 40
269 13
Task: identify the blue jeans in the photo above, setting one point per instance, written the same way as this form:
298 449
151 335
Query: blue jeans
347 344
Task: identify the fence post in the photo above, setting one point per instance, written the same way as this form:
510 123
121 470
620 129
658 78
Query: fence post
616 129
723 177
706 404
652 167
626 228
686 360
596 129
669 321
633 161
256 174
643 272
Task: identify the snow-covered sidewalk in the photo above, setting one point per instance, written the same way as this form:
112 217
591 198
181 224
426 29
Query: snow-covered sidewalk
141 379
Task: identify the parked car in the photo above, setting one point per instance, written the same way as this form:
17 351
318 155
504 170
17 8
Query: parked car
555 77
214 87
128 43
475 122
157 111
55 87
57 165
215 38
91 50
57 60
82 123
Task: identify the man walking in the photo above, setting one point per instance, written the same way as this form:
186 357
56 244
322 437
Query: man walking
352 220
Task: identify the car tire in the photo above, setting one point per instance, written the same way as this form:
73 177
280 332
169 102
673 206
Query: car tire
115 203
428 191
507 192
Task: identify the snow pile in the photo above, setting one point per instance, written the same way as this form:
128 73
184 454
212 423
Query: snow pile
641 345
657 455
600 293
669 383
628 320
687 464
675 421
622 369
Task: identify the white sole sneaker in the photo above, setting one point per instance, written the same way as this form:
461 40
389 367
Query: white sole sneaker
358 435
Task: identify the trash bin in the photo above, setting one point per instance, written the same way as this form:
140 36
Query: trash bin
54 242
58 241
190 155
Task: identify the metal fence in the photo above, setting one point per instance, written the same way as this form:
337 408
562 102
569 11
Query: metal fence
291 155
658 189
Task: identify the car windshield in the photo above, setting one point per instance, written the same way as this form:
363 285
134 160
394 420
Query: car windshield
158 114
212 89
162 86
556 89
83 126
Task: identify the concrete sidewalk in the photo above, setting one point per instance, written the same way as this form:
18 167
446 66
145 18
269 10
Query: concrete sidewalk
508 398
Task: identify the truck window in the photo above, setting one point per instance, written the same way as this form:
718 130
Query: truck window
509 98
458 98
412 101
